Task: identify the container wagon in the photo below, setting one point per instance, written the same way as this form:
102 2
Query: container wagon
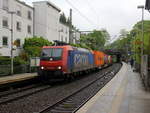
99 59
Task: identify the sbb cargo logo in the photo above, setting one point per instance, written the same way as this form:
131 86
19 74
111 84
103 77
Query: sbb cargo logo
80 60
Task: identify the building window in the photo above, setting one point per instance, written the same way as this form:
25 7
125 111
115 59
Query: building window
29 15
5 4
18 26
19 10
5 41
5 22
29 29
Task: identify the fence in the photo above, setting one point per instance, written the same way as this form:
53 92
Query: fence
145 75
5 69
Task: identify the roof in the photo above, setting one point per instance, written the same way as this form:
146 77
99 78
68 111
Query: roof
23 3
66 46
49 4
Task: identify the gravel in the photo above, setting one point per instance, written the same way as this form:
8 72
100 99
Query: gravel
38 101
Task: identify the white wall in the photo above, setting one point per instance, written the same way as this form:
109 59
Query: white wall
40 19
5 51
45 23
76 36
13 4
63 33
46 20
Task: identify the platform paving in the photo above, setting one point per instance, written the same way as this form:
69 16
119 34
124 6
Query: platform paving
17 77
123 94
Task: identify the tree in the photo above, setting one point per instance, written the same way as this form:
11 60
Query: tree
63 18
95 40
123 33
68 21
32 46
137 31
123 43
132 40
105 34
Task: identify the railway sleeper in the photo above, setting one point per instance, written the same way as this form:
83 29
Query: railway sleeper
68 104
57 111
64 105
64 109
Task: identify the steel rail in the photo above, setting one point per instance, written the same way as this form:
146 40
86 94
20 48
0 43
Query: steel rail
45 110
24 95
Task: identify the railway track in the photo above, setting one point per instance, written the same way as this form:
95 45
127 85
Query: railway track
74 101
17 90
60 99
21 93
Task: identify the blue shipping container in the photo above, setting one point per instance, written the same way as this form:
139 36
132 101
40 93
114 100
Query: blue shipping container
79 61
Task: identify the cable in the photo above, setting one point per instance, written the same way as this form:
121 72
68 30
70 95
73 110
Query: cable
93 9
94 12
79 12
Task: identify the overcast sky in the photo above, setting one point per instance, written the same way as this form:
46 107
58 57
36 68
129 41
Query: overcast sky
112 15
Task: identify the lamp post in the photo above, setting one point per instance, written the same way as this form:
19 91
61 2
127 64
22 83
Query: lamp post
142 40
12 57
70 27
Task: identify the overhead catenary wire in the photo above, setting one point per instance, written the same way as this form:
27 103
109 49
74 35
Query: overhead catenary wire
81 14
93 10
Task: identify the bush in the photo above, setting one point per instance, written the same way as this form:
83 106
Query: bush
24 56
4 60
36 41
7 61
32 46
19 61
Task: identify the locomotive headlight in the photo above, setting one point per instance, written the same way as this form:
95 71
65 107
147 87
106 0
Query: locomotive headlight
59 67
42 67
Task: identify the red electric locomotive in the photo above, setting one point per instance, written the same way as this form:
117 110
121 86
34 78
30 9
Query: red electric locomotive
54 60
66 61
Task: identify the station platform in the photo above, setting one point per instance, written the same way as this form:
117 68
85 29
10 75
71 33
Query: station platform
17 78
123 94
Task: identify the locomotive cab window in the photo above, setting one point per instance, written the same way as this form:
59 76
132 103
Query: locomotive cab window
51 54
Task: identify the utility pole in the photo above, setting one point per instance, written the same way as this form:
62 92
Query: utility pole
134 48
12 57
142 40
142 31
70 29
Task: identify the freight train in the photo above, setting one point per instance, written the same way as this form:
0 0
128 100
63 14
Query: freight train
67 61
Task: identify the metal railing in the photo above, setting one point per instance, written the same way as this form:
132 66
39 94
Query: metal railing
18 69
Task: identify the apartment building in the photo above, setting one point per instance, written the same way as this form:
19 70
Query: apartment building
76 36
63 32
22 25
46 20
40 20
